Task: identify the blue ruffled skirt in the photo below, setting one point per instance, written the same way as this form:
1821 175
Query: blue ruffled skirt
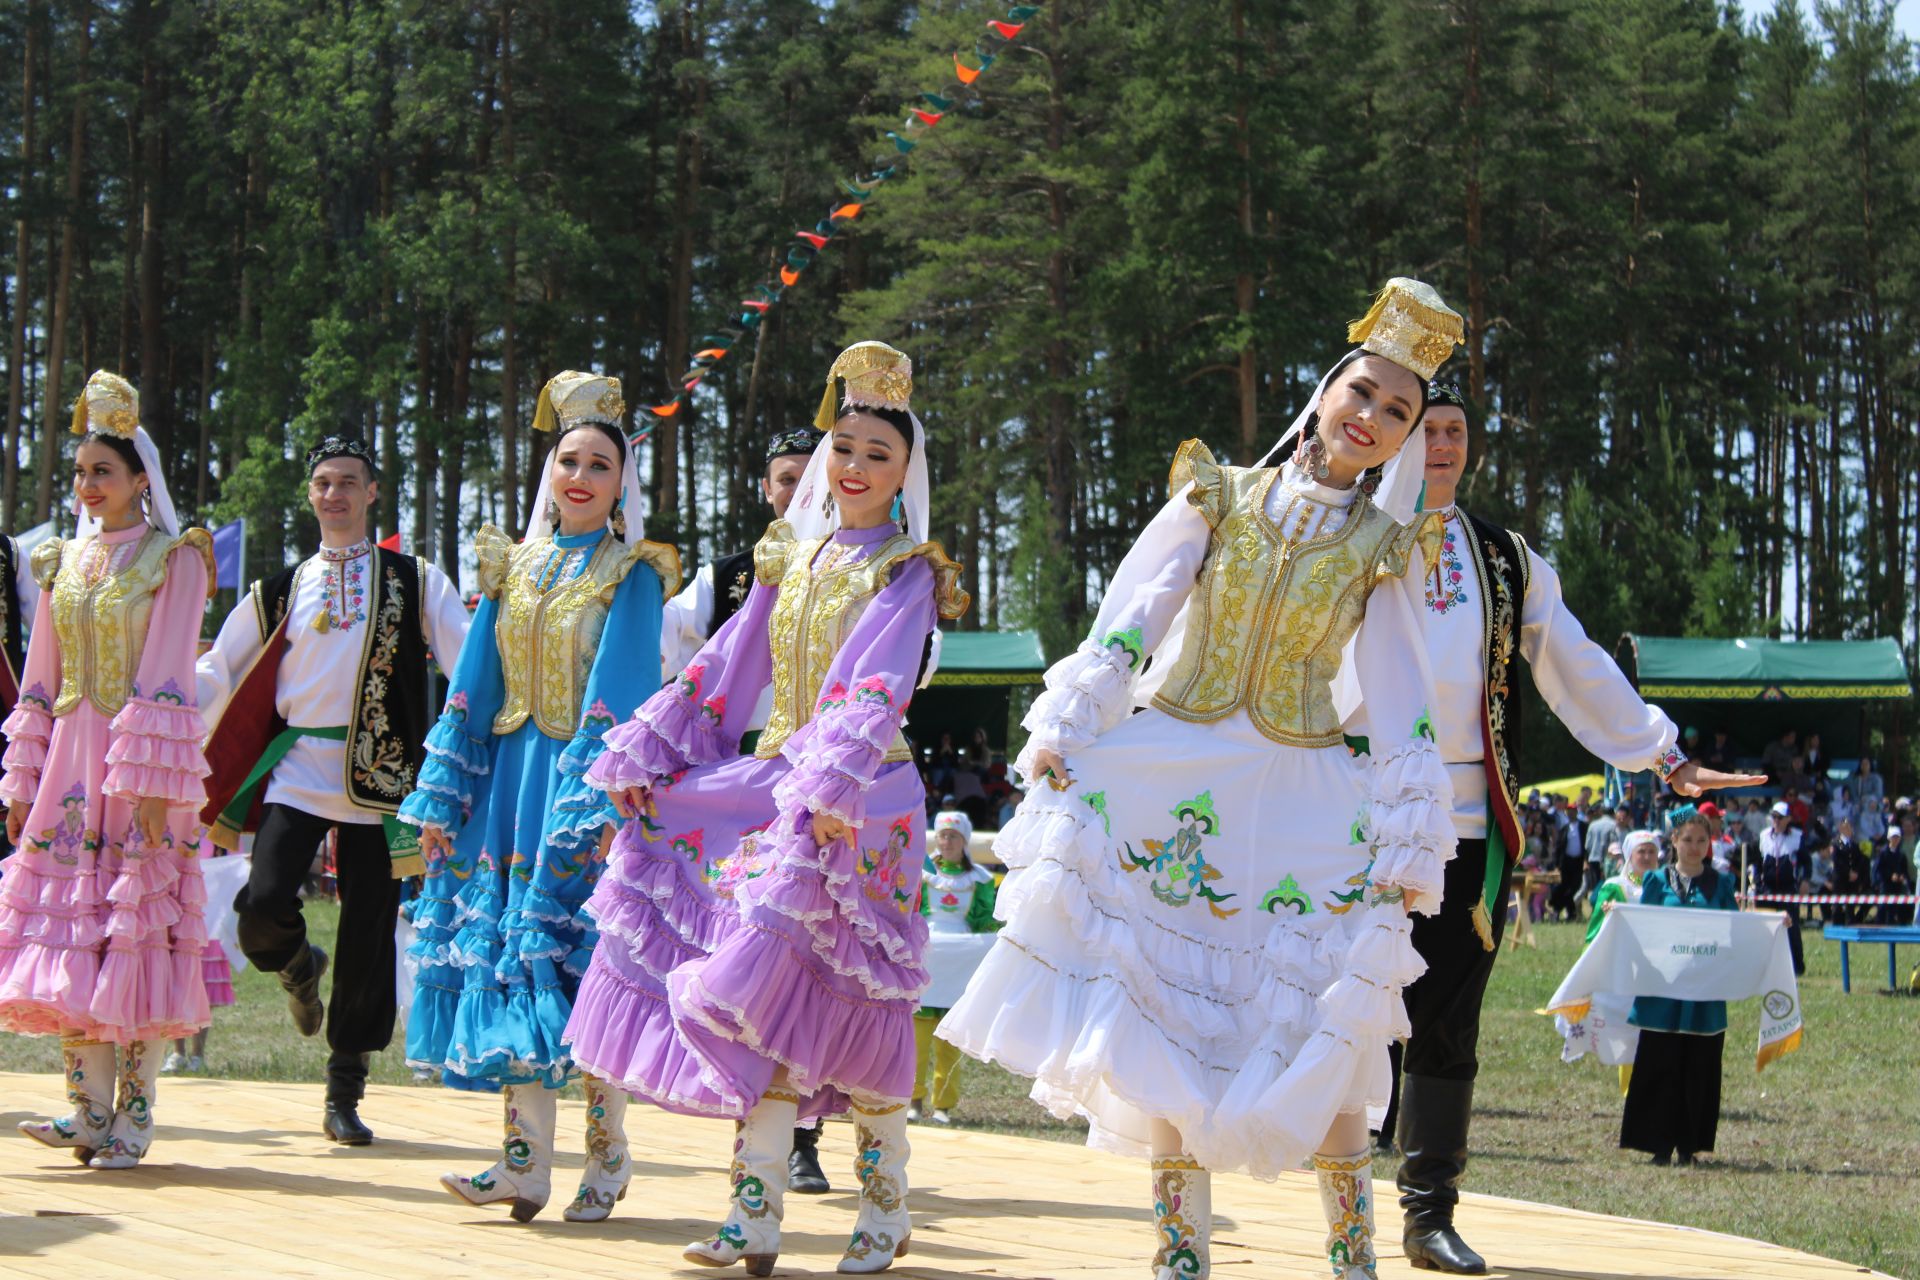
502 940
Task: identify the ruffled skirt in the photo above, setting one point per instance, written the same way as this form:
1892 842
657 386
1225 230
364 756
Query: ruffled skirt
502 940
1188 937
733 945
101 934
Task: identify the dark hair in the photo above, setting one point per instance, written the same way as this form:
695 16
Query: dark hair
895 418
121 446
606 429
1312 428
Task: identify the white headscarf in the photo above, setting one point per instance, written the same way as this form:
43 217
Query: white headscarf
632 497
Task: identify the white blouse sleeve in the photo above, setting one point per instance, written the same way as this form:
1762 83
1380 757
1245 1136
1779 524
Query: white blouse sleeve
221 667
685 622
1584 687
446 617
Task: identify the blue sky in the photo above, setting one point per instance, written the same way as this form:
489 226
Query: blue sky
1906 11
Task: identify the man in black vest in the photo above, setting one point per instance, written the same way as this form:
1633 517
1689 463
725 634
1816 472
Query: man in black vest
1487 596
19 594
317 690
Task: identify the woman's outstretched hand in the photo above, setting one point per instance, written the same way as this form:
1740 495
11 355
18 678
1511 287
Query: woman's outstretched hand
1049 765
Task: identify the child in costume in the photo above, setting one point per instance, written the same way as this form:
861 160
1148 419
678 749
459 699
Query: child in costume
1206 909
513 834
957 899
761 944
101 920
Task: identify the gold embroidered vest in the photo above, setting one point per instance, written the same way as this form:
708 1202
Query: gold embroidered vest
1269 615
549 632
102 625
818 606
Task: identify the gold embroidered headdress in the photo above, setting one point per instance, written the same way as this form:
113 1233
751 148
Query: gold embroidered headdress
1410 325
571 397
875 374
107 403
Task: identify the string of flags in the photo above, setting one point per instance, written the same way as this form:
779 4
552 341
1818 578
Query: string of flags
924 112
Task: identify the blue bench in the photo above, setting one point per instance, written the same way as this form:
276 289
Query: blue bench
1890 934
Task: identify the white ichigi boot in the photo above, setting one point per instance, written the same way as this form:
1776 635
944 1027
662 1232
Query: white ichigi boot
1182 1218
883 1229
1346 1195
88 1065
132 1131
524 1171
751 1232
604 1182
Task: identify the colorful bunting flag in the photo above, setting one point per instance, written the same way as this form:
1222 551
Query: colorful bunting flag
966 69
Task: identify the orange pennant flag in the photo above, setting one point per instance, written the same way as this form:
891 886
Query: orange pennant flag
789 277
845 211
716 352
967 74
666 410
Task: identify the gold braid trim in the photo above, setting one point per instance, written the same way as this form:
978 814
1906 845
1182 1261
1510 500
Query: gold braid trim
1178 1162
44 562
952 602
772 553
658 556
202 541
493 557
1193 463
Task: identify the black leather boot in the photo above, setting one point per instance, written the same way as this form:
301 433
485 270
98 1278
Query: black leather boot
346 1085
1434 1115
301 981
804 1175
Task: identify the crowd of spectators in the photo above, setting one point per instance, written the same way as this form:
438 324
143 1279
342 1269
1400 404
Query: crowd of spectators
971 777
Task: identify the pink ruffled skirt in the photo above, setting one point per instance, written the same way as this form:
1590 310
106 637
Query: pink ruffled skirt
732 945
101 934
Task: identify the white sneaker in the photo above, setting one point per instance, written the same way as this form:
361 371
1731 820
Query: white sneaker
941 1117
913 1111
176 1063
196 1065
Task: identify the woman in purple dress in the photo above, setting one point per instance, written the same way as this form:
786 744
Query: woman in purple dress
761 949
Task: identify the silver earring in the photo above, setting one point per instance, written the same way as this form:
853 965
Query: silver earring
1317 459
553 513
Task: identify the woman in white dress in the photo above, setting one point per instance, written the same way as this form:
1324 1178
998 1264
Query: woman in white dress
1206 927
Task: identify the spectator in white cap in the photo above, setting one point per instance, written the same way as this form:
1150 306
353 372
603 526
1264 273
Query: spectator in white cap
1781 871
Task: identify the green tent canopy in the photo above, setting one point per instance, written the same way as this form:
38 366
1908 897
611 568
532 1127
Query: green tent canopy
990 658
1764 670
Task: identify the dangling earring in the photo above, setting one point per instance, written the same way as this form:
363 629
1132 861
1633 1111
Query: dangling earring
146 502
1317 458
619 521
826 507
898 510
553 514
1370 483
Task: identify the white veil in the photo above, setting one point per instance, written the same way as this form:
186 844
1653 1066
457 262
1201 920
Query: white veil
162 517
812 517
1402 481
632 497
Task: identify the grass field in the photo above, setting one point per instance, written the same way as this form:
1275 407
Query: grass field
1817 1153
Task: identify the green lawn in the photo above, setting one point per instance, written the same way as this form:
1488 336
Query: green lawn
1817 1153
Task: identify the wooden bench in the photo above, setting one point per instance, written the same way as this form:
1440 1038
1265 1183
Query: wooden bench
1890 934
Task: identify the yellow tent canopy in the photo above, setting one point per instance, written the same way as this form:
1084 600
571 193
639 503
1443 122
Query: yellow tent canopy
1568 787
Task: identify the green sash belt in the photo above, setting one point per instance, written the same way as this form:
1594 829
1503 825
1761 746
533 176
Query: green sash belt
235 814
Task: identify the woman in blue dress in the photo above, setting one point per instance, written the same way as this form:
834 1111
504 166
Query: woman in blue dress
514 839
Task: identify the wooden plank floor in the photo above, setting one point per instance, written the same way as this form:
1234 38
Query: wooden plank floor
240 1183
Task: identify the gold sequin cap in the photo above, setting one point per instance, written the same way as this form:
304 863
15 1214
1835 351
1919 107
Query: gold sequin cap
107 403
875 374
1410 325
571 397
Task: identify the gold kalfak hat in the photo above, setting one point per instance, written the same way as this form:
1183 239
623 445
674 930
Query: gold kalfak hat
107 403
571 397
1410 325
875 374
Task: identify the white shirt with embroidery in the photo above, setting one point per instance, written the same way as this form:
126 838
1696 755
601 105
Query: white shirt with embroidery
1581 684
318 675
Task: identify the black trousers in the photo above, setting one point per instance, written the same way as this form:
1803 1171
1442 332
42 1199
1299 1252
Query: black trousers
272 929
1673 1099
1443 1004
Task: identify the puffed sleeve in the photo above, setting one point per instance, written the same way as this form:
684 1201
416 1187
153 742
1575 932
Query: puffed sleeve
1092 689
154 743
460 747
616 687
29 726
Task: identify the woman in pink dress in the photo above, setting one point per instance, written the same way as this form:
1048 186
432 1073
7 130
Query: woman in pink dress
101 923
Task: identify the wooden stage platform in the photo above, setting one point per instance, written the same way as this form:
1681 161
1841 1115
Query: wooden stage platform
240 1183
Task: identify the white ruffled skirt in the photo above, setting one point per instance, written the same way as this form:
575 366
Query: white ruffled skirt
1189 937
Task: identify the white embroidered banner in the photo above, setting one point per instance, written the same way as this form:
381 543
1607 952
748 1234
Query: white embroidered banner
1690 955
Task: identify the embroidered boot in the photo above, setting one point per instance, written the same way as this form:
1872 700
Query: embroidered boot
524 1171
604 1182
1346 1195
1183 1217
88 1065
751 1232
883 1229
132 1131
